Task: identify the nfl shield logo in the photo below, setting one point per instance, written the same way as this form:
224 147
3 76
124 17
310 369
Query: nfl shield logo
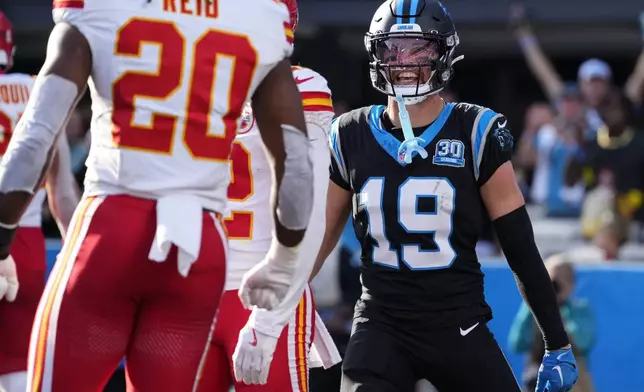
402 153
247 119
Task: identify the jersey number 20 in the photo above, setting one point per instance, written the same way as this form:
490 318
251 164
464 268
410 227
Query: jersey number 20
439 223
212 46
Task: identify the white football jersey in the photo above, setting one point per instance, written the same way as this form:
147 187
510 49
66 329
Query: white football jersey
168 84
249 220
14 94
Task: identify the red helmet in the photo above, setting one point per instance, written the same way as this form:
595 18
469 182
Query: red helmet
292 9
7 47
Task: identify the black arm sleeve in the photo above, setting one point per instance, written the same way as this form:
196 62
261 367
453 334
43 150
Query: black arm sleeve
516 237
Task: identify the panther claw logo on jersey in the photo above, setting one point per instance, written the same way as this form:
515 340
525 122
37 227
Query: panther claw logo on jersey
247 119
504 138
449 153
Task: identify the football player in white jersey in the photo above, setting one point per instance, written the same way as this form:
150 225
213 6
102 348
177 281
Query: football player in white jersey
18 309
279 339
143 267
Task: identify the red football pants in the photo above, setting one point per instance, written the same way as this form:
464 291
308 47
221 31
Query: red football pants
289 369
105 300
16 318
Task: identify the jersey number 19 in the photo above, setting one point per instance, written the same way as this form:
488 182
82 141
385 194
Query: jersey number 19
437 223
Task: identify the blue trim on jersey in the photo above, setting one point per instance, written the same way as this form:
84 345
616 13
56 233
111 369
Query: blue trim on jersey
412 11
399 10
390 144
484 123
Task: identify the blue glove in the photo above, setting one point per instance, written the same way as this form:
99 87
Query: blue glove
558 371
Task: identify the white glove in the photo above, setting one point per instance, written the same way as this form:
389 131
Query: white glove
254 353
8 279
267 283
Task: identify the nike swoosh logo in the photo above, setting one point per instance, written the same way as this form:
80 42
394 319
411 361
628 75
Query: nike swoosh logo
504 124
560 356
300 81
558 369
254 341
470 329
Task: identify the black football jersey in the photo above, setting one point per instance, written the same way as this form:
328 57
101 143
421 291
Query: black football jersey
418 223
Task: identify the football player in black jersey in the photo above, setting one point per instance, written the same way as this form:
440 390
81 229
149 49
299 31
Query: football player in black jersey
420 175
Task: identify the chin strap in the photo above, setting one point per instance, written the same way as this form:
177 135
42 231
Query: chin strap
411 143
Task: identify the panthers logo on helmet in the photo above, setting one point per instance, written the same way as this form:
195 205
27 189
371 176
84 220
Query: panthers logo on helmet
247 119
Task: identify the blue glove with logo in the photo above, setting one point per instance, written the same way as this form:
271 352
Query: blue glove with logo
558 371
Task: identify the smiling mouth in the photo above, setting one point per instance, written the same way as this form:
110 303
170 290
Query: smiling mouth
406 78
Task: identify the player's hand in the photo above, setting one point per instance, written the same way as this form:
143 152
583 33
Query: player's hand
253 354
8 279
558 371
267 283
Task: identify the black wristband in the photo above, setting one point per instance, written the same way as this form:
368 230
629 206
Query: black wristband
6 238
516 237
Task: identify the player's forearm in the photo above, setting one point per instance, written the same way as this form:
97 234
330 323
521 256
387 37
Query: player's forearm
328 244
278 317
277 105
293 194
516 237
30 151
63 200
62 190
336 219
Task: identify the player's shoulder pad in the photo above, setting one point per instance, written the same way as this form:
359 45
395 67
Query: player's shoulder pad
316 95
484 124
309 81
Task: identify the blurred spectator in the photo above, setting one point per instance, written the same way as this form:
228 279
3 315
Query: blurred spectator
554 144
594 75
578 319
616 154
537 115
609 238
